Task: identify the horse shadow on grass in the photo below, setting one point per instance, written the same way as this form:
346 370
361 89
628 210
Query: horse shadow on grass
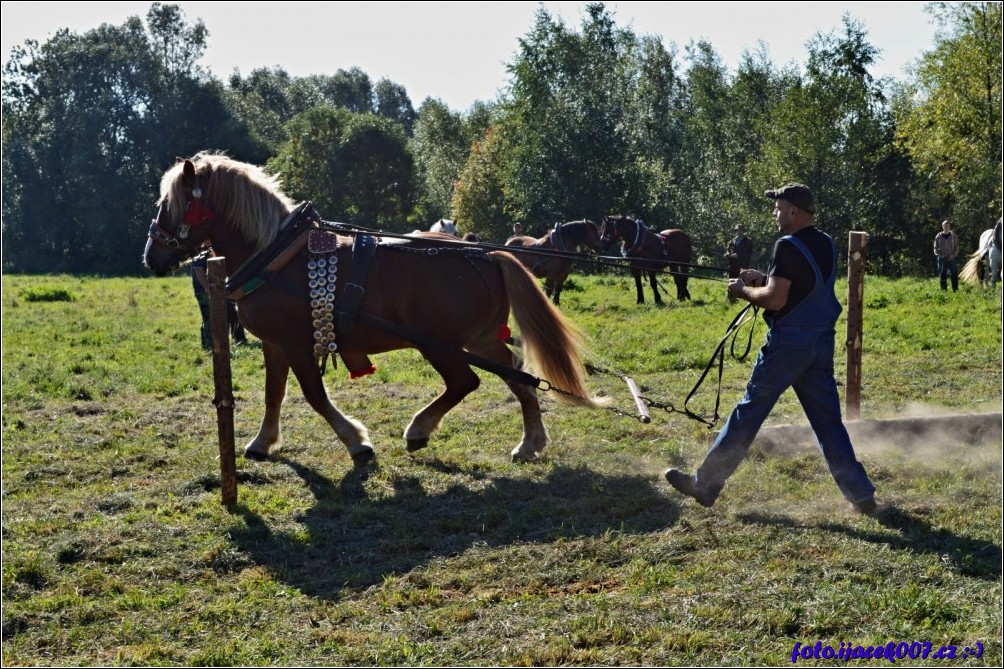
967 556
352 539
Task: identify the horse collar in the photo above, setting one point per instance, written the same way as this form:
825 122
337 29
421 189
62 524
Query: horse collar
639 236
556 235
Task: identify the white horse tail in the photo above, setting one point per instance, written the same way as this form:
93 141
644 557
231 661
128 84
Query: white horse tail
971 272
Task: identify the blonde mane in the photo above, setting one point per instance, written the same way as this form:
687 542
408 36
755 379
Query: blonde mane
240 193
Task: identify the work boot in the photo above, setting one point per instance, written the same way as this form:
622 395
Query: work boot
689 487
865 507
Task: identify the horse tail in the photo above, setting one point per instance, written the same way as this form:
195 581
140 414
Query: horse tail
551 343
971 272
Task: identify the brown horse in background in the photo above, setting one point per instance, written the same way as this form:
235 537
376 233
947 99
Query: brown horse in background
651 252
572 237
457 298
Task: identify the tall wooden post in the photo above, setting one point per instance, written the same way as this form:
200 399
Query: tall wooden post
224 398
855 301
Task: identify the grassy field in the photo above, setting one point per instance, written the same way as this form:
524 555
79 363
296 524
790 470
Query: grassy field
117 551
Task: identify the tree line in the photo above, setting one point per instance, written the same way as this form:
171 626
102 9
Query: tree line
595 120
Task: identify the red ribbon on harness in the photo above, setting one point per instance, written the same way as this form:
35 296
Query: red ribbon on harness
197 213
362 372
504 333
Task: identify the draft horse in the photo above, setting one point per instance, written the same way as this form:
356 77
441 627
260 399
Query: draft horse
457 298
572 237
650 252
445 225
989 255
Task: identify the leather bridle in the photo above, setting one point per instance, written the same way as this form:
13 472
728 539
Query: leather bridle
196 214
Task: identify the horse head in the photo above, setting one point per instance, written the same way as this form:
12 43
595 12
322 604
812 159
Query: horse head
445 225
181 227
614 228
211 199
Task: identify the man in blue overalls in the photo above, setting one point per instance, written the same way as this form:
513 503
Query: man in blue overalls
801 311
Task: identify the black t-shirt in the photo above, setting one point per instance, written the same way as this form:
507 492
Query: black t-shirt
789 263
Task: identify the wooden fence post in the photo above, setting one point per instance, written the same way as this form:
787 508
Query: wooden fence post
224 398
855 301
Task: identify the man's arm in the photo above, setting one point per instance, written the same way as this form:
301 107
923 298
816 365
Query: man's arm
772 295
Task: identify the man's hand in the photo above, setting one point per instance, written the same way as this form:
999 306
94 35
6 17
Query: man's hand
752 277
736 288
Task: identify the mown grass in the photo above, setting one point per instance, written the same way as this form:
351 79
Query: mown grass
116 549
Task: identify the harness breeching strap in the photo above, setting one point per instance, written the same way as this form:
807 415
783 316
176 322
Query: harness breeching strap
425 341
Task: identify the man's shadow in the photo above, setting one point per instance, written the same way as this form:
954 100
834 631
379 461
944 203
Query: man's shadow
967 556
353 539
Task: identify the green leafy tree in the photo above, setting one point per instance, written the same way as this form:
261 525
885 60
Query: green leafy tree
354 167
176 44
77 114
563 153
479 199
90 121
440 146
391 100
265 100
653 128
950 118
349 89
834 131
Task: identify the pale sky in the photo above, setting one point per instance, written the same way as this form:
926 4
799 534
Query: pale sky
457 51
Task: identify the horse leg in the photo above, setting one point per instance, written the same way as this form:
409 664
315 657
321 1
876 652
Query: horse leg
637 286
559 283
276 374
534 433
655 287
460 380
680 278
551 289
351 432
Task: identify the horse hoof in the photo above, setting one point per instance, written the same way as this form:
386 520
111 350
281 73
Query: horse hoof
257 456
417 444
364 458
524 457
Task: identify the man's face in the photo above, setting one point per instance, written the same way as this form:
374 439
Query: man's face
784 213
946 227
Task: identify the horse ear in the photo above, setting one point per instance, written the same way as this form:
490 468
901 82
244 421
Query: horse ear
188 174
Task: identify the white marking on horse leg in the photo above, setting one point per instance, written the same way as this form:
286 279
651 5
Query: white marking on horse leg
422 425
276 374
534 433
268 437
350 431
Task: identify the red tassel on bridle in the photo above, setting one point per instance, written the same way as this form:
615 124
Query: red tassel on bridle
197 213
504 333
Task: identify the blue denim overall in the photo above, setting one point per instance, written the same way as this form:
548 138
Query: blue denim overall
798 354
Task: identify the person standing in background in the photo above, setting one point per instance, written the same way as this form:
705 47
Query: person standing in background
946 250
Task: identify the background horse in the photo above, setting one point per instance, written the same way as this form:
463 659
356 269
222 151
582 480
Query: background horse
987 254
650 252
573 237
446 226
455 297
